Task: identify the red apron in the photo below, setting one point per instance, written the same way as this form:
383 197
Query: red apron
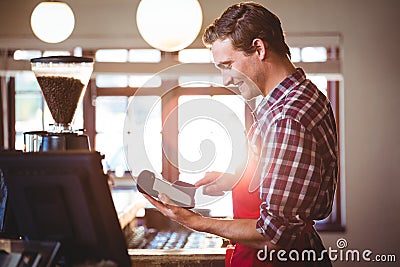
246 205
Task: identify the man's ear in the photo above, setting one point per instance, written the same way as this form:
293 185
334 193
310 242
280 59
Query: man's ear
261 48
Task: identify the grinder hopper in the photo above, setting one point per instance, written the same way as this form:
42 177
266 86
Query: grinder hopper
63 81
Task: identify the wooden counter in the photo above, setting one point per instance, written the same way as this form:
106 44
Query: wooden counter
128 202
178 257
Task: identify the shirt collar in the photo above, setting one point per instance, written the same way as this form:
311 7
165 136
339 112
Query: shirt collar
273 96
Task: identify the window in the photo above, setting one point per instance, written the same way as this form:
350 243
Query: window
144 55
144 81
110 115
213 142
26 54
112 80
313 54
31 113
195 56
131 55
111 55
115 92
199 80
210 138
142 138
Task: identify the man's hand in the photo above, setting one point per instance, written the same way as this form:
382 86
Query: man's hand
169 209
215 183
238 230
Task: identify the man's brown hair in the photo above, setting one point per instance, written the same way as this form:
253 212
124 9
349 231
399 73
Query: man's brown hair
244 22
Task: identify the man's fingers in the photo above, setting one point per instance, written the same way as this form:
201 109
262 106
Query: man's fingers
208 178
201 182
204 181
165 209
164 199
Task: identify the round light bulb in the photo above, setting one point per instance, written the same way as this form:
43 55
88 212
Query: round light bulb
169 25
52 22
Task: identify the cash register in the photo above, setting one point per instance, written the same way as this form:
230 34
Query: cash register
63 197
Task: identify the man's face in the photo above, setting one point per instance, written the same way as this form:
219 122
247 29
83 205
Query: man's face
238 69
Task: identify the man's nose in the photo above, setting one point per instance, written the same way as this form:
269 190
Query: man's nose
226 78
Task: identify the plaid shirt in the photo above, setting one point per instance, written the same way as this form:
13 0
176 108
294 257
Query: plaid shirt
298 160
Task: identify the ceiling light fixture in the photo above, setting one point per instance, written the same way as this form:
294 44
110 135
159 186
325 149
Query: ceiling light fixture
52 22
169 25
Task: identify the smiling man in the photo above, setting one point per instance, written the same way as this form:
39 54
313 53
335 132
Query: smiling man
296 156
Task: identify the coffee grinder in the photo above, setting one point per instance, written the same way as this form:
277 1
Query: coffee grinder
63 81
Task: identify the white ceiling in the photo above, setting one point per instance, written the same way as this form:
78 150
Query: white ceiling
99 23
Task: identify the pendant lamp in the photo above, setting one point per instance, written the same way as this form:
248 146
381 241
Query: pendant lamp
169 25
52 21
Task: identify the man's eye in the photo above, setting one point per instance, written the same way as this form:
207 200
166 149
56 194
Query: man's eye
224 66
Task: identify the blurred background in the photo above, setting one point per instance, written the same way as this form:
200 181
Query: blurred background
348 47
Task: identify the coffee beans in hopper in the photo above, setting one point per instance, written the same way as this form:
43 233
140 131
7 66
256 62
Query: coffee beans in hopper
61 95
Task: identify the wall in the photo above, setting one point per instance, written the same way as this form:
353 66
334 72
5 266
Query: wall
371 98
